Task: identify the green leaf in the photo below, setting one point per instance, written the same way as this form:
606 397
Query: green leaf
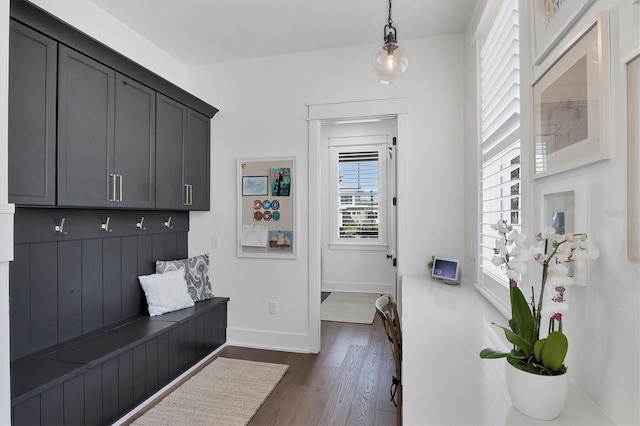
537 349
490 353
518 341
522 319
555 350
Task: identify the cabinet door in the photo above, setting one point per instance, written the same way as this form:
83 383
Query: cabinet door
171 124
32 117
85 131
134 155
197 159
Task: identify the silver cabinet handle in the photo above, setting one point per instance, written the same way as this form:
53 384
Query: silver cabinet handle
113 187
190 195
185 194
120 187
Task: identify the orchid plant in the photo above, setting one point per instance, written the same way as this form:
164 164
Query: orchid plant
560 256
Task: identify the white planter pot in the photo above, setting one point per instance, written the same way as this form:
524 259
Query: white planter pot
540 397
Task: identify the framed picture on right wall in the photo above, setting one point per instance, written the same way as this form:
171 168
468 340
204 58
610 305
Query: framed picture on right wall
633 159
571 104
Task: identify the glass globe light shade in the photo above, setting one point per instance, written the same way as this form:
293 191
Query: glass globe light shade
390 62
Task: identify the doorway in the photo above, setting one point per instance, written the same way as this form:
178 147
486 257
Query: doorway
356 111
358 226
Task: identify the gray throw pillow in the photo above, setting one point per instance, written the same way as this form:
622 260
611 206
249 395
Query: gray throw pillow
196 274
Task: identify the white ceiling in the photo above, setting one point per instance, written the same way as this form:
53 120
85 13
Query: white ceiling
198 32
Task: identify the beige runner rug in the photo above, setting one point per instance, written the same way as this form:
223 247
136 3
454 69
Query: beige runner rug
226 392
349 307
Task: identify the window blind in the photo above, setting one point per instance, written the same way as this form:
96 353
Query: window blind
500 188
358 194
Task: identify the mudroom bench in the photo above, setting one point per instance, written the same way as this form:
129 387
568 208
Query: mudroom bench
99 377
84 348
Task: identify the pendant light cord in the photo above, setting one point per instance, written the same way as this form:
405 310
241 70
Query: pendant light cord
390 21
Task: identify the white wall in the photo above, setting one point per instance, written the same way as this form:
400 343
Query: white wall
263 114
603 324
94 21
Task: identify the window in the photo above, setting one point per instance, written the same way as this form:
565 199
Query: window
358 180
499 81
358 190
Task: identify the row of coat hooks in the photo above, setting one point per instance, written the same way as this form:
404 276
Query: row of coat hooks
106 226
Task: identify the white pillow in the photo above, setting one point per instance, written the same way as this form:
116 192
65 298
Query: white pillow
166 292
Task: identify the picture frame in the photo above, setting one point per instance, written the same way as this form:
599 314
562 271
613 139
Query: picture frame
255 185
565 207
266 217
551 21
633 158
571 100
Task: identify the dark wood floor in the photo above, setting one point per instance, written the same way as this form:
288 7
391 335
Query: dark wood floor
347 383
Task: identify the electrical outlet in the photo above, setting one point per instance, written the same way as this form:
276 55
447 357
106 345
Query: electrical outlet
215 242
273 308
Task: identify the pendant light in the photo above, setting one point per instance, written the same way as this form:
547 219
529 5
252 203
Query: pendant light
390 61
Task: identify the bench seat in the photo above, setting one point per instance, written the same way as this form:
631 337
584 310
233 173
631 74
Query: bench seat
153 350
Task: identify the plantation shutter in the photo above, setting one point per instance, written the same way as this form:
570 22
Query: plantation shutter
500 189
358 194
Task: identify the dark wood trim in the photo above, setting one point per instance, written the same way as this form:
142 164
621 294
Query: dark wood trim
42 21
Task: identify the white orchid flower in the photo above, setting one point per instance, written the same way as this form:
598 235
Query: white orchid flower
564 252
517 238
550 307
515 268
548 233
501 226
592 250
522 253
497 260
544 234
558 275
537 253
579 258
501 246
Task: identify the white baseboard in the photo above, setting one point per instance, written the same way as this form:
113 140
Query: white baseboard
264 339
356 287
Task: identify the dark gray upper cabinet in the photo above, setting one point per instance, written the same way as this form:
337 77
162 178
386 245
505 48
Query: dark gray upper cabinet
134 155
122 136
171 127
86 95
106 132
32 117
197 159
182 157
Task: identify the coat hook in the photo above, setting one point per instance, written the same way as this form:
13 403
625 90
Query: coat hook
105 226
60 228
167 224
140 225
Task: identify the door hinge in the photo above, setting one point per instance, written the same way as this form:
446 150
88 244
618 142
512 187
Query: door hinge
395 141
395 262
395 201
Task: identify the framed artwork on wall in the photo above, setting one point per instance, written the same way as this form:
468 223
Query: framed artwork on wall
565 208
571 105
254 185
266 208
552 19
633 159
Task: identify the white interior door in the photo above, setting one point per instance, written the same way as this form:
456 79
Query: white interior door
358 222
